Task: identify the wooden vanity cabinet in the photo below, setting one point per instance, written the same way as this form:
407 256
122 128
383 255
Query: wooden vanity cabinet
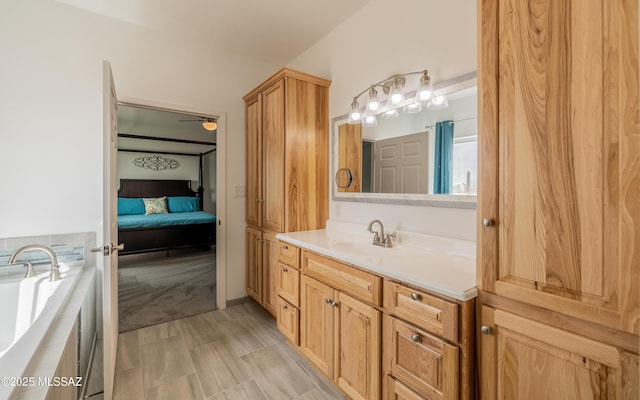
428 344
341 334
558 215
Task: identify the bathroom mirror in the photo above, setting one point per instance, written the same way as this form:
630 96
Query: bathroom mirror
427 158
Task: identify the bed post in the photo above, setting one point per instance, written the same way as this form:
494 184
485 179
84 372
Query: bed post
200 188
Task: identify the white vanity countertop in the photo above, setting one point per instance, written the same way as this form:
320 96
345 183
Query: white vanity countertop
442 265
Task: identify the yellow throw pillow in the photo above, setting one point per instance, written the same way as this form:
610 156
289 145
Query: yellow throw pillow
155 206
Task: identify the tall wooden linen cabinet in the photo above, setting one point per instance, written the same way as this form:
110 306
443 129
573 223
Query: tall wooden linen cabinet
287 143
559 201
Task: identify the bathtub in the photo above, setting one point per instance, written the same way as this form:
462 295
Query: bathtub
28 306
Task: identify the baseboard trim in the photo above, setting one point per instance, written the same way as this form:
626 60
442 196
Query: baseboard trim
235 302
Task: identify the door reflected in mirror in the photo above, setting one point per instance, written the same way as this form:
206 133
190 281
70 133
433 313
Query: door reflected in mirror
430 152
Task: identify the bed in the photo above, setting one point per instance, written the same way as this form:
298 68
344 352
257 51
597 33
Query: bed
182 224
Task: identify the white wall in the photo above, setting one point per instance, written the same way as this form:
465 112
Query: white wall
51 112
386 38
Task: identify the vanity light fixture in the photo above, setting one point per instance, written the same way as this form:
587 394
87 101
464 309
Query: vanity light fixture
394 88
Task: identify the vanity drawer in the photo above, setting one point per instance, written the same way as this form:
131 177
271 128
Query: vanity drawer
357 283
424 310
423 362
289 284
289 255
397 391
288 320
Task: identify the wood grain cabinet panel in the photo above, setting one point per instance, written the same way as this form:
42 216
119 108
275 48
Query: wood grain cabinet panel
396 390
273 131
254 264
289 255
288 285
424 362
317 324
358 283
560 157
426 311
288 320
270 272
358 367
254 161
531 360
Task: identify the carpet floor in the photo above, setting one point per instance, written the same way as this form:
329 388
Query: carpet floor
154 288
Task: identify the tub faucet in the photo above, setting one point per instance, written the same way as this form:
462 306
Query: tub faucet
55 268
380 238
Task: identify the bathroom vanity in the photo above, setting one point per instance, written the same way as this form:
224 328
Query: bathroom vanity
381 323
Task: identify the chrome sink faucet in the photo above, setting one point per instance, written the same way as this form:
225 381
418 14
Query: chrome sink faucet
380 238
55 268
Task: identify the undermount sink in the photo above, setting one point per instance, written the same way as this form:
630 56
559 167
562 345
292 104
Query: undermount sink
366 249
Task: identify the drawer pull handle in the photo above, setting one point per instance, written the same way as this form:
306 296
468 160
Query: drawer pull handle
284 307
334 304
284 246
415 337
415 296
485 330
487 222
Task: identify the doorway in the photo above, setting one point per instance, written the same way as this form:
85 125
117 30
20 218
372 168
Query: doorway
159 282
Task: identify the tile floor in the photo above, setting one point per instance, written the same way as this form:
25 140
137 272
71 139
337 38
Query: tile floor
232 354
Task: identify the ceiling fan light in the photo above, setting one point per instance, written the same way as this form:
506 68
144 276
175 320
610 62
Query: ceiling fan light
210 125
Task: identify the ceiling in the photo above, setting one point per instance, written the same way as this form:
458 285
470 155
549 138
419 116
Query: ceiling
273 31
162 124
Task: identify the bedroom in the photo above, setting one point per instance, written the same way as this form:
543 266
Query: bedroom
165 159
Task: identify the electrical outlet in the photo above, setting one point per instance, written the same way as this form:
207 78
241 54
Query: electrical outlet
238 191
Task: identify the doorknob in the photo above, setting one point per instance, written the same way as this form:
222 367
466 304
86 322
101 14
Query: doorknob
106 250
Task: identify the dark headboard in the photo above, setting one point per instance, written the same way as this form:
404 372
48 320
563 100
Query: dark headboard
157 188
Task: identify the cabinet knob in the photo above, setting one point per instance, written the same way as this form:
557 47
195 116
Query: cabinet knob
328 300
415 296
415 337
284 307
257 200
284 246
485 330
487 222
285 269
334 304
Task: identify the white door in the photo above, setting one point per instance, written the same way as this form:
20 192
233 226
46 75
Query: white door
110 231
400 165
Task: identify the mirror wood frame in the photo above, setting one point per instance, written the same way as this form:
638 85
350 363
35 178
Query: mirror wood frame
425 200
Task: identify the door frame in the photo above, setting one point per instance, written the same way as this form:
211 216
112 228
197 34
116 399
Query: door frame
221 186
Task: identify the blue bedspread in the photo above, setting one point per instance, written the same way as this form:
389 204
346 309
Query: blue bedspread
155 220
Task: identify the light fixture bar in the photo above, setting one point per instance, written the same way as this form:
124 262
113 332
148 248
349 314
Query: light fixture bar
394 87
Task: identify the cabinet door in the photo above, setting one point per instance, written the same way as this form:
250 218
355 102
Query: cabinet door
254 264
273 157
525 359
288 320
358 369
397 391
560 155
270 253
317 322
254 161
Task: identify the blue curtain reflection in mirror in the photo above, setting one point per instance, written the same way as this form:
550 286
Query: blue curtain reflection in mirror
443 157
